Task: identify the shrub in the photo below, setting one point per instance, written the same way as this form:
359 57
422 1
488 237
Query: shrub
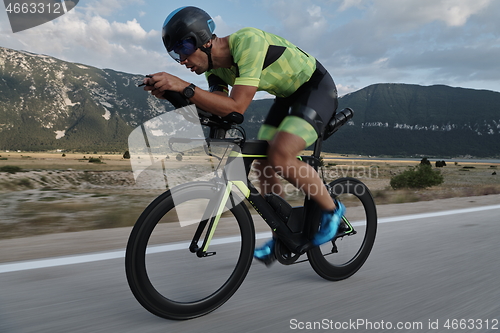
440 164
425 161
10 169
421 176
94 160
25 182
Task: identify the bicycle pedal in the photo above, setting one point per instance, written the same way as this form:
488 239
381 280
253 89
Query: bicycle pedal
206 254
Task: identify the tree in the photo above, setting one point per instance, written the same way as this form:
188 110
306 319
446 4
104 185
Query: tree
425 161
126 155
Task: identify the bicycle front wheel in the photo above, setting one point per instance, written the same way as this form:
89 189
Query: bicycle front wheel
165 276
348 251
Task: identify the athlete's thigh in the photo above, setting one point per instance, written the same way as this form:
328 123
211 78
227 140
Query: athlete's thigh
278 111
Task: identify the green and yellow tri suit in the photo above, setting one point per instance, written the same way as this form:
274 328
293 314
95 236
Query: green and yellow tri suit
273 64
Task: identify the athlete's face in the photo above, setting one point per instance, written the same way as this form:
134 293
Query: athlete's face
196 62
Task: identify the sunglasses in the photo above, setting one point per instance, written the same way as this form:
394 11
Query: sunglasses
183 49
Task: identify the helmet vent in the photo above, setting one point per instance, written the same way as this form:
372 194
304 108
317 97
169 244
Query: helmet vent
211 25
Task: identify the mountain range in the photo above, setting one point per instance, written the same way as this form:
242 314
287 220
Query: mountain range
48 104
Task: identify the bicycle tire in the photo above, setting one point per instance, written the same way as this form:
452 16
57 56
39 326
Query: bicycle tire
149 287
361 211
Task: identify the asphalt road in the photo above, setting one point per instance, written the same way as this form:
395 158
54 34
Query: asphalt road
424 272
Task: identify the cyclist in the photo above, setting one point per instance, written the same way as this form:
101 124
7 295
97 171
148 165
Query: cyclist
252 60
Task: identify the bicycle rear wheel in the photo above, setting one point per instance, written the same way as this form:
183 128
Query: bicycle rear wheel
348 251
165 276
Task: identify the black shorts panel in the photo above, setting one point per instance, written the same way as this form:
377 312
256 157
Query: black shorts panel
315 101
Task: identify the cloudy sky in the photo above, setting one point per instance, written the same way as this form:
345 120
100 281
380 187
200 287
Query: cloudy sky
361 42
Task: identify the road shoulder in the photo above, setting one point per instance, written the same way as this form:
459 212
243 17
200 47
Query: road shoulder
64 244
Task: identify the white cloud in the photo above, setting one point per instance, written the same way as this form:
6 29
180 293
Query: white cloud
222 28
410 14
453 42
302 22
106 8
346 89
346 4
84 36
361 42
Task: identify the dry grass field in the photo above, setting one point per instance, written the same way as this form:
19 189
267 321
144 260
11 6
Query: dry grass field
53 193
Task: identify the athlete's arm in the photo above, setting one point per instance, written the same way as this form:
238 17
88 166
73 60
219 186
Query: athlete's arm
217 103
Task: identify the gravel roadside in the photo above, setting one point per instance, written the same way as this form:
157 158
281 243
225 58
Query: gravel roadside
71 243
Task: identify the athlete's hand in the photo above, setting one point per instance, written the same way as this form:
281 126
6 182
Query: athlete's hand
160 82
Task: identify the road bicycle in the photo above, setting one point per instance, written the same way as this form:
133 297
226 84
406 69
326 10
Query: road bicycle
192 247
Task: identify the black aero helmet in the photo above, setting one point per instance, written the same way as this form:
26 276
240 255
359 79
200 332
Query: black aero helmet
185 30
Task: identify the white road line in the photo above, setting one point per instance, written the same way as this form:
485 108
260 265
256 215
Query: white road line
87 258
436 214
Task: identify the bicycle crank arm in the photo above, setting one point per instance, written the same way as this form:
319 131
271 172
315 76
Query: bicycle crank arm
202 254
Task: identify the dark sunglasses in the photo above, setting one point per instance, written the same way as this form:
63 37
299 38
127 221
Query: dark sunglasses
183 49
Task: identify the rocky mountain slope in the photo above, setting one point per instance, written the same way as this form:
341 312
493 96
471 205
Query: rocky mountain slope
48 104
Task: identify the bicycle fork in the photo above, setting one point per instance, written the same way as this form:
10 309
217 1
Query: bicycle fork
211 216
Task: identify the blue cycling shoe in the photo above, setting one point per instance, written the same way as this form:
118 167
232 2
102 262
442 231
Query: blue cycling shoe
265 253
329 225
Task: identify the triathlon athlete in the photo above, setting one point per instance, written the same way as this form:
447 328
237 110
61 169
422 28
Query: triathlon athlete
252 60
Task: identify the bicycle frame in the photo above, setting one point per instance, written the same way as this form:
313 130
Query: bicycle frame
296 241
295 236
215 179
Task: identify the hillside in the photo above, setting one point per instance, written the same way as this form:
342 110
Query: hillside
398 119
48 104
409 120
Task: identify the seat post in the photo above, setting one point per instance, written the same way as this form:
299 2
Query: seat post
317 150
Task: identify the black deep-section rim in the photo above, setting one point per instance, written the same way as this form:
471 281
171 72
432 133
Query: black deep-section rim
319 261
136 271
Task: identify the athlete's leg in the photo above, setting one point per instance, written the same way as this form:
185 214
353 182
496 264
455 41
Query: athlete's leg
312 105
268 179
283 152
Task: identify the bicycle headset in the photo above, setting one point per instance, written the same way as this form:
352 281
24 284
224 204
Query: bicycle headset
185 30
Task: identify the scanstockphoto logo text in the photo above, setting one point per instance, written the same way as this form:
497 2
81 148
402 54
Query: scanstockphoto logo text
26 14
328 173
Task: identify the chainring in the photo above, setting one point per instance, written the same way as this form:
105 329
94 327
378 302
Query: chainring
283 254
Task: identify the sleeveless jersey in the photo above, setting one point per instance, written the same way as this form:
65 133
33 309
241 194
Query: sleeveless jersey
266 61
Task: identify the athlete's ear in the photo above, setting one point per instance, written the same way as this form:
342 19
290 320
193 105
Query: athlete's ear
208 44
